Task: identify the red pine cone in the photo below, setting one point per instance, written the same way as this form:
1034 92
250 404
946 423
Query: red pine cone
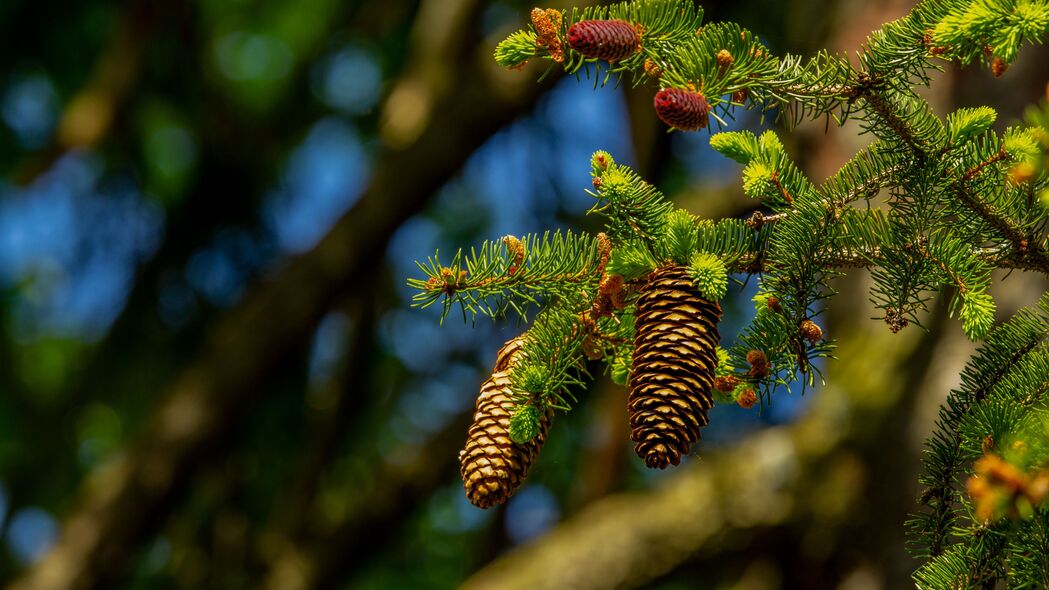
683 109
610 40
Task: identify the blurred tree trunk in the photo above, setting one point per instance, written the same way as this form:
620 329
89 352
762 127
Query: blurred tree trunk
123 502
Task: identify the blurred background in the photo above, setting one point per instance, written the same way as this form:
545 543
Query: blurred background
210 373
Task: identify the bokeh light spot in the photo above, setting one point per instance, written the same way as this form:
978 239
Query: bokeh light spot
250 56
30 534
349 80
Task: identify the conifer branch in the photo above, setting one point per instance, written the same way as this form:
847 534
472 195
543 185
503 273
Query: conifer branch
643 295
1004 351
1027 253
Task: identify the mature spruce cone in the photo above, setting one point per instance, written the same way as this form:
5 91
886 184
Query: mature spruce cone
610 40
675 354
683 109
492 465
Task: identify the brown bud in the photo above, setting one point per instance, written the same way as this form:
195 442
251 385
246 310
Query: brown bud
988 444
604 248
609 295
610 285
652 68
1038 488
773 303
811 331
726 383
997 471
998 67
747 398
516 250
759 364
724 59
740 96
982 496
896 320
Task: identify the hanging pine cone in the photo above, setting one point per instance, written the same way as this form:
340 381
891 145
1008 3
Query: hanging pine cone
682 109
675 354
491 464
610 40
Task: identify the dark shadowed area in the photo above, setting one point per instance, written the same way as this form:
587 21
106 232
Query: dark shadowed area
211 375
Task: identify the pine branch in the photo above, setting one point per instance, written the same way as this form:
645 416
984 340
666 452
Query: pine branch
511 273
1027 253
961 202
1004 351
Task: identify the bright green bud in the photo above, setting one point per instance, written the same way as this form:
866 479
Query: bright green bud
614 184
679 238
532 378
1031 18
965 124
741 146
631 262
1020 144
977 314
709 275
770 142
757 180
516 49
524 423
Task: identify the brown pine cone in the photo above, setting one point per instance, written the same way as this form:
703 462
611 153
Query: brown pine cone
675 355
492 465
